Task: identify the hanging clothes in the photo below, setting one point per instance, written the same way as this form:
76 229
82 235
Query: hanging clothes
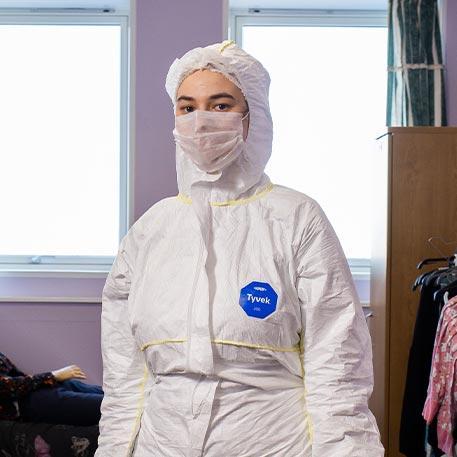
413 426
441 399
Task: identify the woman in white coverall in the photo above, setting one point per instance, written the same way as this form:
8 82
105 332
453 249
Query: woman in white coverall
230 323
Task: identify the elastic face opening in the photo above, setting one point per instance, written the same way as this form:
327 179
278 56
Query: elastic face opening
208 89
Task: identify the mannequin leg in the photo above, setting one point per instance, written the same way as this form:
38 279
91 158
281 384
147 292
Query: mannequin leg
61 405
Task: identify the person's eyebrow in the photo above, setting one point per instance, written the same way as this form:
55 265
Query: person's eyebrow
211 97
186 98
221 95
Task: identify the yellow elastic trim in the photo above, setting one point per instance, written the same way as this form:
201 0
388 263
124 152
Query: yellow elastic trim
184 199
158 342
229 342
139 411
226 44
241 201
310 427
309 422
256 346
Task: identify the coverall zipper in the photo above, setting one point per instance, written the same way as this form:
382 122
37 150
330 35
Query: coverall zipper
191 302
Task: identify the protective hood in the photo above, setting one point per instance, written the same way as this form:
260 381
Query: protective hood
245 176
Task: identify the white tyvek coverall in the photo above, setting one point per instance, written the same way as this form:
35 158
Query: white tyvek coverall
187 371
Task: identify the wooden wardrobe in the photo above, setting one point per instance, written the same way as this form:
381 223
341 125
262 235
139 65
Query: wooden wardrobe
415 198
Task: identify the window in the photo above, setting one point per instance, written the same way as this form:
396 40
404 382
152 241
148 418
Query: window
63 147
327 96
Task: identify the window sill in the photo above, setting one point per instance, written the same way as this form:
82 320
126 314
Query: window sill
360 273
22 299
47 271
51 284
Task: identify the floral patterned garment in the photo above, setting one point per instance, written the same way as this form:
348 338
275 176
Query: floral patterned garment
442 389
15 384
47 440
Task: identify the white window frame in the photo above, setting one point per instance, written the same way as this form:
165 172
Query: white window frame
302 18
80 266
239 18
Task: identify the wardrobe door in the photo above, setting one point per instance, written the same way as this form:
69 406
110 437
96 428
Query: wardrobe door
415 199
379 283
423 204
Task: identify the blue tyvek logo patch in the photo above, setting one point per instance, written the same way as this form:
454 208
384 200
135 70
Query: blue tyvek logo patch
258 299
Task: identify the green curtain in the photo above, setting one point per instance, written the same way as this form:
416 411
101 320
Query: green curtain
415 83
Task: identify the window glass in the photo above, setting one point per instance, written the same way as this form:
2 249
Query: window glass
328 97
60 143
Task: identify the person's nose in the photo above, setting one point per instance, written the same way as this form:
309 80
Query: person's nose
201 122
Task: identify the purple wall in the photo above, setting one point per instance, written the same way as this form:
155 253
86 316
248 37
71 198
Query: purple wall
42 337
451 61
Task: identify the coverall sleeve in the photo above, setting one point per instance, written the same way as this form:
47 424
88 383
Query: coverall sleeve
337 354
123 363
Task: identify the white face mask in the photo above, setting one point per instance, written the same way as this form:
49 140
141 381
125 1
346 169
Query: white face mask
212 140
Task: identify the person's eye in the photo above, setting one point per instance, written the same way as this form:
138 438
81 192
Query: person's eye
187 109
222 107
